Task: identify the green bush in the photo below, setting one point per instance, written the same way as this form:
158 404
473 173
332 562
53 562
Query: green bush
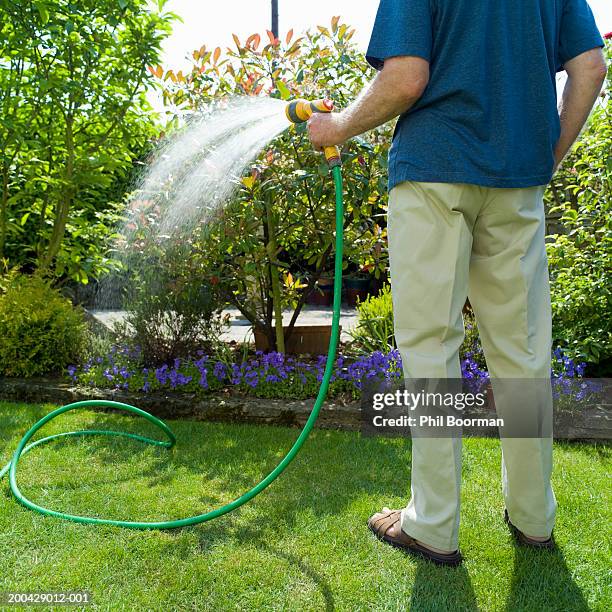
275 238
374 329
580 254
40 331
75 119
172 311
471 349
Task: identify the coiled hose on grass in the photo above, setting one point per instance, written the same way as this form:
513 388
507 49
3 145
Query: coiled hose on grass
25 445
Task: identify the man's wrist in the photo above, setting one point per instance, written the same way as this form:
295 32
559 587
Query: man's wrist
343 127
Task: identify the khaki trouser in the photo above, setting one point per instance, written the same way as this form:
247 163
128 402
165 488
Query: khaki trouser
448 242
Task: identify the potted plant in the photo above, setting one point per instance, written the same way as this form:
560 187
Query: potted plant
356 287
322 293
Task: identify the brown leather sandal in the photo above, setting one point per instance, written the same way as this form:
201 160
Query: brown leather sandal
524 540
380 526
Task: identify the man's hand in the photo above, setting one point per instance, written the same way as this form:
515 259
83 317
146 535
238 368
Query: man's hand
325 130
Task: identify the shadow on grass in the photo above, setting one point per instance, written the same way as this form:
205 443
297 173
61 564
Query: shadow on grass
442 588
435 587
541 580
256 538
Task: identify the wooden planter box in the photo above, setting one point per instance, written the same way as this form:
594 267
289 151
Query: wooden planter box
305 339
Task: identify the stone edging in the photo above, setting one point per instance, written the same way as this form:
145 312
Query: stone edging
594 425
219 407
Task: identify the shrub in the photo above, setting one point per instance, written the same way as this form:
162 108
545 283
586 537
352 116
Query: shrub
275 238
374 329
471 349
73 77
172 312
40 331
580 195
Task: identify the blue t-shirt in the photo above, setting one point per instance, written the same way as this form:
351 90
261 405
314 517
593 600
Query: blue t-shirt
489 113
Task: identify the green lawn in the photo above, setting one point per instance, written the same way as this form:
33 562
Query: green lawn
300 545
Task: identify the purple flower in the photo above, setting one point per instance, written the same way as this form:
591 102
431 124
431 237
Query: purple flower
177 379
275 360
219 371
161 374
236 375
203 379
251 378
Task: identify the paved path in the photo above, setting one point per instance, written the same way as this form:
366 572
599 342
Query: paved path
240 329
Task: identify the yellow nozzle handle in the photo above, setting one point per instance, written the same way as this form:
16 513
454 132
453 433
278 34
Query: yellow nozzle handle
332 155
300 111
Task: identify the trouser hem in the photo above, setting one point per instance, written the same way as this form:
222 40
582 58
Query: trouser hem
425 536
536 530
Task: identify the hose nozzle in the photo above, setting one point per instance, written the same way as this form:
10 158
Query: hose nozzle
300 111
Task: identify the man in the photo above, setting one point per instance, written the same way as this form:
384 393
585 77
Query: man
478 138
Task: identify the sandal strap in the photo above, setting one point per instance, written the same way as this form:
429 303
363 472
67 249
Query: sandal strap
389 521
402 540
374 523
384 522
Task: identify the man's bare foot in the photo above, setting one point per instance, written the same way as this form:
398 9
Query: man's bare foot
394 531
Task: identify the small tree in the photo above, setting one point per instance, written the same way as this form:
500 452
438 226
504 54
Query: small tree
276 238
74 116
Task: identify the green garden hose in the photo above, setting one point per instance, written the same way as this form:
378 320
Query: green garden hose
24 445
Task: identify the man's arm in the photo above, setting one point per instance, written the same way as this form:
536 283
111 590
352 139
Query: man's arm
392 92
585 76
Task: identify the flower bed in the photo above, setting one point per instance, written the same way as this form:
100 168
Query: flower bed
266 375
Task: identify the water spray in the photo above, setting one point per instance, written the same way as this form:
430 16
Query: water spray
298 111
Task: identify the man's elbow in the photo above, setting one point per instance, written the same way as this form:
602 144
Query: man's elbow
601 71
413 88
590 65
407 78
598 69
